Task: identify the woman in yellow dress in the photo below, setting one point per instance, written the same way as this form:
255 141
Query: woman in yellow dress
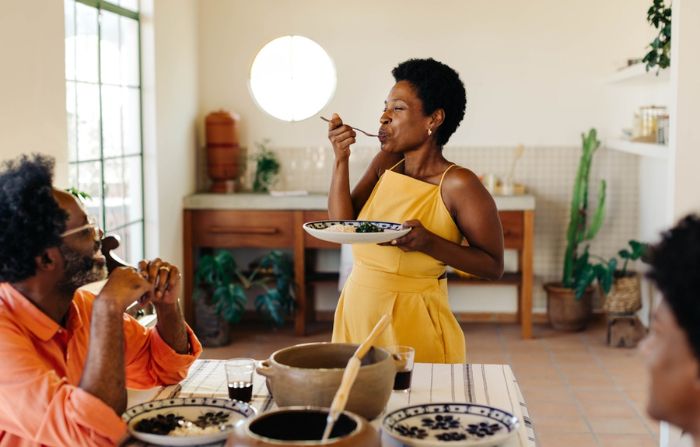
410 181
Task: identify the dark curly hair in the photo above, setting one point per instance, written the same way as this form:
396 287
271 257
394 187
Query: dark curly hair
30 217
438 86
675 268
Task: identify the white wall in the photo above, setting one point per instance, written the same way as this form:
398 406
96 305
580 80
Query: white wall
170 112
533 70
685 71
32 81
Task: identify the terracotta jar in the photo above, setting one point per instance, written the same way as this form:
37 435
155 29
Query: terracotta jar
303 426
222 150
310 374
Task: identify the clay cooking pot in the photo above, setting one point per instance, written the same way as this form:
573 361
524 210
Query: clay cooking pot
303 426
310 374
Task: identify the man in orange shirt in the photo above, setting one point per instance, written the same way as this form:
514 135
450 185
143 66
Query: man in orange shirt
68 355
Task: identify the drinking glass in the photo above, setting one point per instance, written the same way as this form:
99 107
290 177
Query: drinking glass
239 375
405 357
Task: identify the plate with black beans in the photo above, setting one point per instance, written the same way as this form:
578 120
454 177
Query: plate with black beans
455 424
186 421
355 231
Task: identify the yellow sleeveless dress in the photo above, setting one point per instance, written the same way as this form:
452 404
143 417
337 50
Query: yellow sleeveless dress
386 279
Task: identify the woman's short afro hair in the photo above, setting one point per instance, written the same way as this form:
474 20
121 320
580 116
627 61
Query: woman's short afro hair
438 86
30 217
675 269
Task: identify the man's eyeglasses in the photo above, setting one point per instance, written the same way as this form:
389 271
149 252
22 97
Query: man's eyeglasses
92 223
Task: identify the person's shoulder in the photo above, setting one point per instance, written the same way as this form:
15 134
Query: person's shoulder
83 298
384 161
461 187
461 179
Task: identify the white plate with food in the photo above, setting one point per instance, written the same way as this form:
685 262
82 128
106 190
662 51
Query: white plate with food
186 421
450 424
355 231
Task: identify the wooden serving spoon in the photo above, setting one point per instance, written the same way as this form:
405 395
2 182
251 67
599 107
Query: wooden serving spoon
350 374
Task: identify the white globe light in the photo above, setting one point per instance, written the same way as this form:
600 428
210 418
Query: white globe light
292 78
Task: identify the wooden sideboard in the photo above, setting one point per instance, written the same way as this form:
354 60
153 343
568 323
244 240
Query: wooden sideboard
214 227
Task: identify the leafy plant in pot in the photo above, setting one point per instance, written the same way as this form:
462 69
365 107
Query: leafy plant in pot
221 295
267 166
621 287
569 301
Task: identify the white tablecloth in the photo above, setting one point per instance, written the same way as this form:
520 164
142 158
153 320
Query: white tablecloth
492 385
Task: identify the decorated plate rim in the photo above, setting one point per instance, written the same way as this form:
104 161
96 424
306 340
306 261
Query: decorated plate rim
512 427
242 408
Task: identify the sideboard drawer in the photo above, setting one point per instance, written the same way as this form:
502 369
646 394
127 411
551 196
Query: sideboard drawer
512 223
310 241
243 228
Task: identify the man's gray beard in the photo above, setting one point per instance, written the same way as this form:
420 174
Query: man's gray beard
79 270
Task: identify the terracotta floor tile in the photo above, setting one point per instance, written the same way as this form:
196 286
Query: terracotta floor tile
555 394
600 409
548 409
560 423
557 439
628 441
622 426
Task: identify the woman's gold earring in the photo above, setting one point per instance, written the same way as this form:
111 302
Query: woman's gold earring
430 132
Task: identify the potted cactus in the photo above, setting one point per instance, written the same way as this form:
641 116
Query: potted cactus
569 301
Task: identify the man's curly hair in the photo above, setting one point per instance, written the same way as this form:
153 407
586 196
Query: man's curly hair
675 268
30 217
438 86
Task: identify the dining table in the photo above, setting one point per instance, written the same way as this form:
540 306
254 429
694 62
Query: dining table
487 384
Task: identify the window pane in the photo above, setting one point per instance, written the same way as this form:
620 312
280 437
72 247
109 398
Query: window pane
120 51
112 120
122 191
134 187
115 209
131 243
85 43
109 46
129 4
90 181
131 120
88 121
130 51
72 119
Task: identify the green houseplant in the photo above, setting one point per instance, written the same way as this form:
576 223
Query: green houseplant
621 287
266 167
569 301
659 15
221 293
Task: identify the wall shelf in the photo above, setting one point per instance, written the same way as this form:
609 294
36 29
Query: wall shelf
642 149
638 73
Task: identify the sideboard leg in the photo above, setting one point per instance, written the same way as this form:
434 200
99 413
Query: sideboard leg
301 311
526 271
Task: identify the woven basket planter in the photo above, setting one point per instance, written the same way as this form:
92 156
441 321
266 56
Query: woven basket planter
624 296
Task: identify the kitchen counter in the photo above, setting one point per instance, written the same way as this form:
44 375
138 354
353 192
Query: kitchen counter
260 201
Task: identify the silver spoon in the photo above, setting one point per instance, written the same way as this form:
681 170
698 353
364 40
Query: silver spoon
359 130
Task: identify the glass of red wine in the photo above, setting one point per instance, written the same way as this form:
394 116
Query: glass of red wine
405 357
239 375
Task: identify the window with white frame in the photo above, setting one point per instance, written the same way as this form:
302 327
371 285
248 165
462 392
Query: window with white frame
103 104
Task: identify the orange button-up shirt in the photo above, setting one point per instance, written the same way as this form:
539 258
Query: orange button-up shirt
41 364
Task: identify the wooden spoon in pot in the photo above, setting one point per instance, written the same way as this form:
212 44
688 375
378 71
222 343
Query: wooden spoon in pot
350 374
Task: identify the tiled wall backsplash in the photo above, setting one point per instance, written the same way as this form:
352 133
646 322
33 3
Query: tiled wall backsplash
547 172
